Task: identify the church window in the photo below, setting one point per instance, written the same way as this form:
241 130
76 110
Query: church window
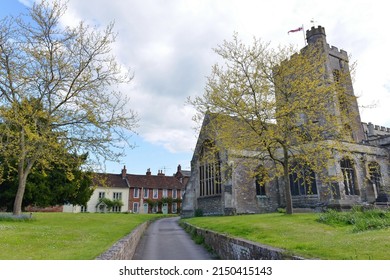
302 181
260 182
375 175
349 177
209 172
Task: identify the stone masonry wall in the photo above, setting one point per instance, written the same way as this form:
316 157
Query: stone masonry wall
124 249
229 248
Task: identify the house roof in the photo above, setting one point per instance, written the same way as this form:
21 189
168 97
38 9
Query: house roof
139 181
110 180
154 181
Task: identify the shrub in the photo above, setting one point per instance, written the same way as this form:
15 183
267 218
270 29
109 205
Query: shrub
360 218
198 213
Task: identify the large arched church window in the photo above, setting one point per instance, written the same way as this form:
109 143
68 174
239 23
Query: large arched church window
209 171
348 171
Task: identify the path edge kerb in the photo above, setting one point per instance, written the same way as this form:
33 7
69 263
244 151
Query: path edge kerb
233 248
124 249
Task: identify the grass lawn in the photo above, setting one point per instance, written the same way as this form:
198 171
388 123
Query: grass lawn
64 236
302 235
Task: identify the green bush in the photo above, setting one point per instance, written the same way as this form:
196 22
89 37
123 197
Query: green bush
198 213
360 218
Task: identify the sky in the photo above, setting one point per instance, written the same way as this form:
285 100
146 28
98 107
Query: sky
168 45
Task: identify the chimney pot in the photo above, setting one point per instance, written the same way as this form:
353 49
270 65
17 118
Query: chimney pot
124 172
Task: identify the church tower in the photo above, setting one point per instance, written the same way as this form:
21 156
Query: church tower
337 67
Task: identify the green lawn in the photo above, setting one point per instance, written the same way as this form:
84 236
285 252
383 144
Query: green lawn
64 236
302 235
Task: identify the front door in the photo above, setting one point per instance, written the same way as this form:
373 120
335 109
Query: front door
165 208
146 208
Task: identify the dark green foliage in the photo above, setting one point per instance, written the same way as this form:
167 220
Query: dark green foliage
360 218
61 184
198 213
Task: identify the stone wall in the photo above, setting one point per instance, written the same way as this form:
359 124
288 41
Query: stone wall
229 248
124 249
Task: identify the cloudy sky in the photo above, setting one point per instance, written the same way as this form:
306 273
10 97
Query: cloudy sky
168 45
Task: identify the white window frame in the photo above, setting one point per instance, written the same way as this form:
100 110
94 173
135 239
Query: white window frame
174 193
136 192
102 194
165 193
155 193
146 193
117 196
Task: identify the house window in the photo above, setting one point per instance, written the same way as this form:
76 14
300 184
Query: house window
165 193
209 172
146 193
135 207
117 196
174 193
116 209
302 180
349 177
154 209
136 192
174 207
83 208
155 193
375 175
102 194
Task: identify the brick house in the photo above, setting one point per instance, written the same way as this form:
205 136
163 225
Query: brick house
156 193
137 193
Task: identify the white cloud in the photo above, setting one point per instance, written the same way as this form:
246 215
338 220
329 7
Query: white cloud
169 45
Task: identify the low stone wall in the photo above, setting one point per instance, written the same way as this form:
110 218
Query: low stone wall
229 248
124 249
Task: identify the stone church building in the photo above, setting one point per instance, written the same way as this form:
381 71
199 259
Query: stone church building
363 173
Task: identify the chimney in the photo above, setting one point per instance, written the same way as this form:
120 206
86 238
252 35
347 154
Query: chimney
124 172
179 168
148 172
160 173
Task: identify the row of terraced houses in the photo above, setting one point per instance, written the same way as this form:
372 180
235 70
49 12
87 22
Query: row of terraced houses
135 193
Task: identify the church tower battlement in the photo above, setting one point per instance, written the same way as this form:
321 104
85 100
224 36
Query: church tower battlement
337 62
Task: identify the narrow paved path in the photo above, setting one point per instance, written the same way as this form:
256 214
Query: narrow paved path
166 240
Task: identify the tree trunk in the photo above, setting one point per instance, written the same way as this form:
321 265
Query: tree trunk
22 178
289 204
23 171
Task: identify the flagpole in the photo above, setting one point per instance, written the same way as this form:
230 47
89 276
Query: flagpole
304 36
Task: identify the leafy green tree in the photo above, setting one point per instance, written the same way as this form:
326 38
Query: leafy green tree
273 107
60 184
57 93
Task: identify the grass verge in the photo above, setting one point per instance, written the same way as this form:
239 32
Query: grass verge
65 236
303 235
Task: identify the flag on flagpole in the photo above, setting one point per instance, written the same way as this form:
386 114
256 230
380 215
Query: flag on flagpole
295 30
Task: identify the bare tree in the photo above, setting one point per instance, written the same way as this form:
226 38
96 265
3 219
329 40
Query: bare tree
58 92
